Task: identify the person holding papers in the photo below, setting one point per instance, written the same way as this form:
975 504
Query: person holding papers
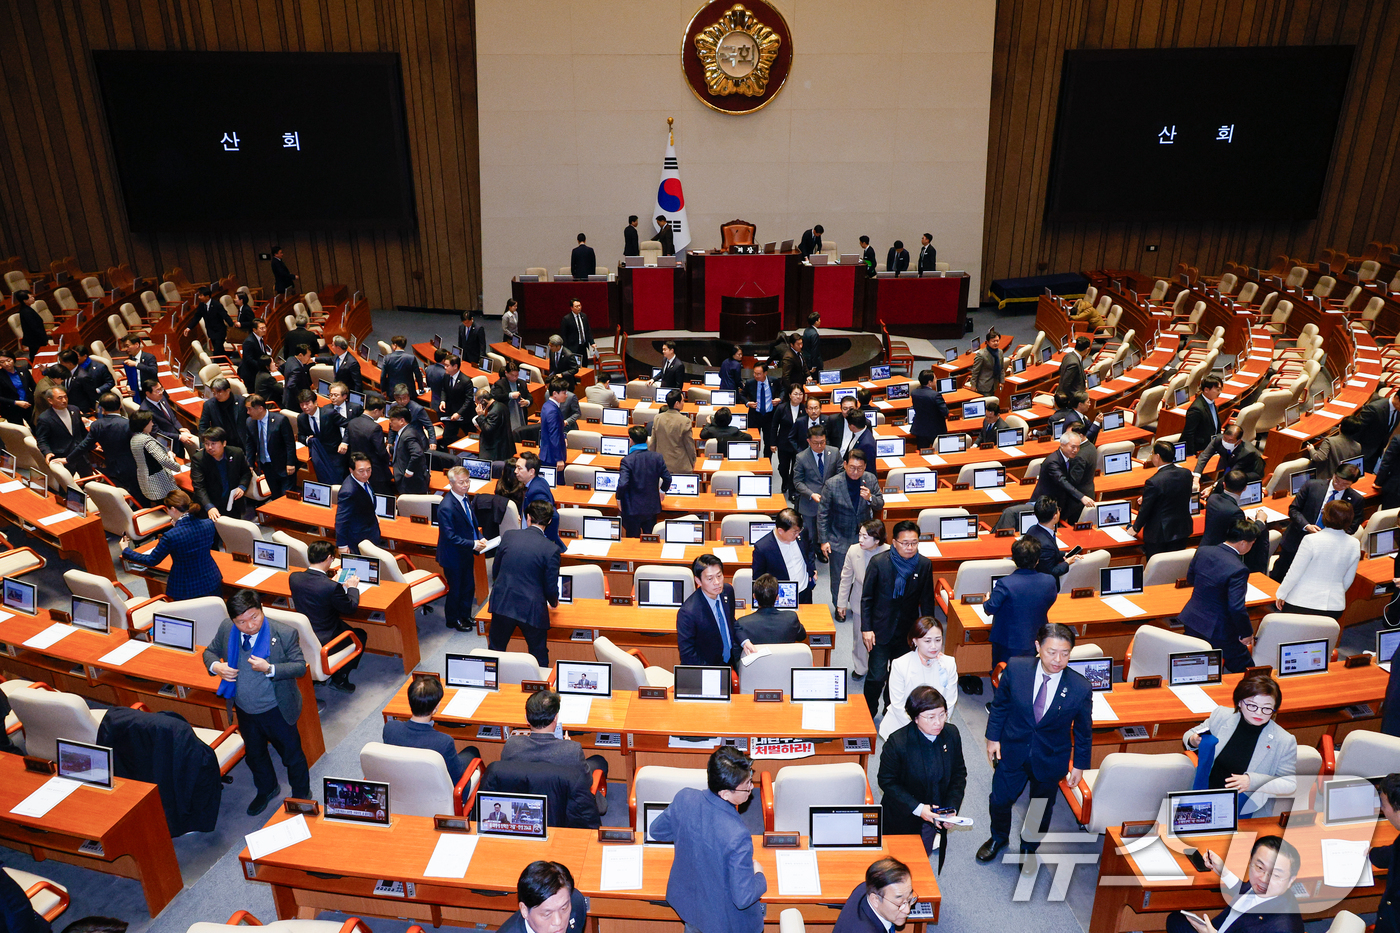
1245 750
1261 903
549 902
424 698
879 903
547 743
926 665
1316 584
322 599
922 771
1216 610
190 543
705 629
715 885
459 541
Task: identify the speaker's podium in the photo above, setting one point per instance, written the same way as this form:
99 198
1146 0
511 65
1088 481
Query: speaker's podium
750 319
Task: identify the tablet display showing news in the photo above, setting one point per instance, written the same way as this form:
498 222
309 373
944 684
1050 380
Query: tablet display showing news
606 480
957 528
469 670
385 506
722 397
613 446
646 815
75 500
481 469
977 409
920 481
848 827
1253 493
695 682
1113 420
316 494
758 487
684 484
521 815
1011 437
838 394
18 596
900 390
1114 514
356 801
740 420
660 593
1098 671
742 450
172 632
818 684
1202 812
889 446
1120 581
366 568
1351 800
757 530
585 678
1022 401
1195 667
270 554
91 614
951 443
677 531
602 529
1018 365
829 377
1302 657
989 478
1114 464
1025 521
879 372
79 761
787 596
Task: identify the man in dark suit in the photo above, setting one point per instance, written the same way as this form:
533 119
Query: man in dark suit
255 348
549 902
301 334
457 405
766 625
364 435
424 697
1263 902
1216 610
867 253
992 422
408 454
856 433
527 471
721 430
786 556
812 344
794 373
139 365
459 541
162 412
1387 471
898 589
258 663
1203 416
562 363
215 318
582 262
810 470
1164 514
344 367
1234 453
82 392
282 277
928 256
418 415
112 434
1387 918
705 627
471 338
1223 511
492 422
272 444
435 372
355 520
224 410
897 259
217 472
576 332
59 431
16 391
525 583
811 241
930 410
665 235
762 395
34 335
642 482
296 376
1073 410
1051 561
324 601
1020 601
1058 474
672 375
1305 512
631 243
1380 419
547 744
1072 368
94 372
401 367
1040 709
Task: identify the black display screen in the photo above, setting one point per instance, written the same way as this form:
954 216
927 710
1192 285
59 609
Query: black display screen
258 140
1176 134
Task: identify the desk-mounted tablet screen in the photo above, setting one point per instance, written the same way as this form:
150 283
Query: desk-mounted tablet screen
366 568
951 443
617 417
566 588
1011 437
739 420
1253 493
1025 521
1022 401
469 670
606 480
900 390
1382 543
91 614
1179 452
1098 671
879 372
1302 657
91 764
270 554
989 478
947 384
1202 812
722 397
742 450
1045 353
316 494
787 596
1114 464
1091 380
818 683
583 678
669 593
613 446
172 632
757 530
650 810
676 531
1387 642
75 500
920 481
1358 462
711 379
323 388
1114 514
957 528
758 487
1018 365
977 409
385 506
829 377
696 682
1185 668
356 801
838 394
477 469
602 529
1351 800
1120 581
1112 420
551 475
889 446
684 484
853 827
18 596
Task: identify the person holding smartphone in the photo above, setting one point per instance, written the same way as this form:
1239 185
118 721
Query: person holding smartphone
1261 903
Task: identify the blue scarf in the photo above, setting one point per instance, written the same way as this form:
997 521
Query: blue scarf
636 447
261 642
903 569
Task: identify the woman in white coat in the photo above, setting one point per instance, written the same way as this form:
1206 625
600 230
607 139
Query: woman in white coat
1253 755
925 665
871 541
1317 581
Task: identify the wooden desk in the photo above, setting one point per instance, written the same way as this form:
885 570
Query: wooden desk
128 821
544 304
586 376
920 306
81 540
1345 343
1134 902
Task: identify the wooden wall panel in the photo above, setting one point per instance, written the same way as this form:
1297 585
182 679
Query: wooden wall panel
59 194
1361 196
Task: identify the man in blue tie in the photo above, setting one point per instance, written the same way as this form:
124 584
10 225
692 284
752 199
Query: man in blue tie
758 393
459 541
705 622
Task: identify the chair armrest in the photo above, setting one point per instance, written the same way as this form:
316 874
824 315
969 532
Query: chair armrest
242 916
1087 808
553 674
40 685
122 586
354 923
405 563
597 783
459 806
1329 756
44 884
326 651
138 705
637 653
733 681
136 518
996 674
1191 754
869 796
219 740
765 796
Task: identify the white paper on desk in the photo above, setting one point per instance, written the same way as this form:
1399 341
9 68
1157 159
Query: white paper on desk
643 406
45 797
1270 515
256 576
883 405
15 486
928 548
895 497
451 856
894 463
57 517
1357 383
1101 390
1103 712
1124 606
819 716
673 552
49 636
277 837
1121 535
727 554
574 709
902 429
1292 433
1344 863
980 610
1060 543
1012 452
746 503
682 741
998 495
600 498
584 459
1157 863
1196 699
464 703
1334 415
1238 385
797 873
748 659
1252 594
119 656
477 485
622 868
934 460
867 385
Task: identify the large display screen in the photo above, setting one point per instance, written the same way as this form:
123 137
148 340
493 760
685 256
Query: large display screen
1177 134
258 140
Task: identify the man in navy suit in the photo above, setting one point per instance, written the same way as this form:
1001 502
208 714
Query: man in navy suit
897 259
364 435
787 555
1164 516
1040 708
898 590
1052 561
1305 514
471 338
1262 902
272 445
930 410
761 397
582 262
553 447
642 480
672 375
705 631
1203 416
1057 473
525 583
527 470
344 367
811 241
1223 510
409 457
459 541
1020 603
355 520
400 367
1216 609
324 600
111 432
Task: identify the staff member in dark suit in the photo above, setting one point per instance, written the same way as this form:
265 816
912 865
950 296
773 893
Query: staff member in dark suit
928 256
243 307
273 444
457 404
355 520
215 318
401 367
1216 610
323 601
665 236
139 366
459 541
1072 368
574 327
582 261
296 376
1305 513
16 391
344 367
525 583
812 344
811 241
1388 913
364 435
1039 710
255 348
409 454
643 480
549 903
112 434
1203 416
225 410
59 431
258 662
922 769
1020 602
1057 475
320 429
786 555
1234 453
282 277
672 375
492 422
217 472
898 589
705 627
867 254
471 338
762 395
1223 511
897 259
1164 516
34 336
631 243
879 903
767 625
930 410
1380 419
1262 902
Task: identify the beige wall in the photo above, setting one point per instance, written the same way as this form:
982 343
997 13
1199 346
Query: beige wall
881 129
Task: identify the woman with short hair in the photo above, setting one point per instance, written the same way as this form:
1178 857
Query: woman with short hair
922 773
1243 748
1317 581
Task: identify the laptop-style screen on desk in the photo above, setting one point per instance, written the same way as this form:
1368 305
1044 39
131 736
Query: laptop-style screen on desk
818 683
694 682
467 670
684 484
1120 581
1302 657
21 597
616 417
173 632
1203 812
91 614
660 593
677 531
1195 667
1351 800
270 554
1098 671
850 827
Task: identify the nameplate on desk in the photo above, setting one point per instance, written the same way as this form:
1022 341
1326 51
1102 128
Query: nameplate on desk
1261 670
563 533
609 834
295 805
619 600
584 486
38 765
961 487
927 537
529 445
738 604
418 519
607 740
987 445
1282 492
582 634
974 599
1182 583
1136 829
242 558
490 732
533 686
928 452
856 745
715 457
593 420
1147 682
1297 818
1081 592
822 641
651 693
590 450
451 823
773 840
734 541
294 496
651 539
743 249
768 696
724 493
1358 660
1004 533
1084 526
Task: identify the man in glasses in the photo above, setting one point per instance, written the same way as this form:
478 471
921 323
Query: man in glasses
715 884
881 902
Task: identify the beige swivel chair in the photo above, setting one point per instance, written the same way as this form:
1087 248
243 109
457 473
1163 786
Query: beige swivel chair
1279 627
790 921
424 586
322 660
206 612
49 715
123 605
589 581
929 518
1167 567
647 572
120 518
650 250
238 536
975 576
241 919
774 670
1085 572
421 783
417 506
727 479
789 797
743 588
297 558
1150 651
737 525
571 517
1363 754
1126 786
1282 477
660 784
630 669
513 666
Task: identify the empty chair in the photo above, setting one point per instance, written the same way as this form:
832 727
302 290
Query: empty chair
975 576
646 573
580 439
789 797
1278 323
297 558
417 506
95 586
1296 277
1126 786
1282 477
629 668
1247 293
1117 447
1167 567
321 660
238 535
1277 628
1148 407
965 473
424 586
775 669
929 518
118 516
738 525
1151 649
727 479
1363 754
419 777
588 581
570 517
743 587
1085 572
49 899
49 715
1324 286
660 784
513 666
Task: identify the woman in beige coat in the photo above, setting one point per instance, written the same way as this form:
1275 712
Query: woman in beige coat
870 542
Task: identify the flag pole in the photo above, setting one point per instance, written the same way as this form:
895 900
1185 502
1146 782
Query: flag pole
671 128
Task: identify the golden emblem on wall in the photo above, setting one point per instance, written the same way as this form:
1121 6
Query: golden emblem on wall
737 53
